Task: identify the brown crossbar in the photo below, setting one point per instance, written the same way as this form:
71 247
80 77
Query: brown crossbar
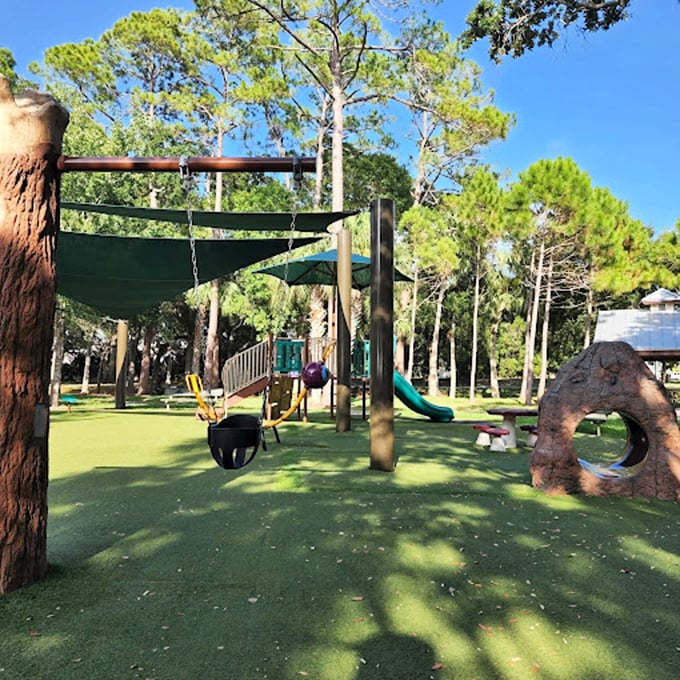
193 164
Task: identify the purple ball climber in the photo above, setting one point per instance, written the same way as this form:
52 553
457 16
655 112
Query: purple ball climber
315 374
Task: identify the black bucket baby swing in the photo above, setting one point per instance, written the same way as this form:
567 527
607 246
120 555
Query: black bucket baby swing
235 440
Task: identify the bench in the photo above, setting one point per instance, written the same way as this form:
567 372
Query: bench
497 435
483 438
491 436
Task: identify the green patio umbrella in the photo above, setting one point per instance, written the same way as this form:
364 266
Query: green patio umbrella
322 268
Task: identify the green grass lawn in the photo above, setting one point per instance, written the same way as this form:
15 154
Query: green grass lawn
308 565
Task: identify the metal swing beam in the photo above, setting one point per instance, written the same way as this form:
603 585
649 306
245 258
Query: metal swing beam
193 163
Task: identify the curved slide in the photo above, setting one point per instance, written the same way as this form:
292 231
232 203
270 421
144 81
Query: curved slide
410 397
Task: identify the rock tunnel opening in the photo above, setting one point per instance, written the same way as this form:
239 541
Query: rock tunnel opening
614 456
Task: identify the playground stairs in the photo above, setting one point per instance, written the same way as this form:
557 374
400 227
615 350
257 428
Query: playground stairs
246 373
249 371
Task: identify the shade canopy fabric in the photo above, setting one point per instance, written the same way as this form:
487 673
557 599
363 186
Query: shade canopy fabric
322 269
313 222
121 276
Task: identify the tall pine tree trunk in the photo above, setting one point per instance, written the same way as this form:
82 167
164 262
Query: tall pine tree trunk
87 365
493 352
212 350
475 326
589 317
546 328
31 133
412 337
528 374
453 368
433 372
144 385
57 358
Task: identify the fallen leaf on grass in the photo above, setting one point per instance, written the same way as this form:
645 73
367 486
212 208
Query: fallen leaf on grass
437 666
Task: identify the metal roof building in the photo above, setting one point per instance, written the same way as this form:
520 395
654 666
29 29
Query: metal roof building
654 333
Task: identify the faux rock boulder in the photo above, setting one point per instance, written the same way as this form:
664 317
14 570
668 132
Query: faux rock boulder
608 376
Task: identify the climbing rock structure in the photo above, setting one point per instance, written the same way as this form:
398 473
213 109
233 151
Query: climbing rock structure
608 376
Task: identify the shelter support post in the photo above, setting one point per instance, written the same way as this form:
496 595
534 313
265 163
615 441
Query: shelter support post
382 348
343 419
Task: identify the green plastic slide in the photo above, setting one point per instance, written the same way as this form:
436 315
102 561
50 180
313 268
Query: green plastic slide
410 397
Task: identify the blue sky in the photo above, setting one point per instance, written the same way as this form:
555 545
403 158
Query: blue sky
609 100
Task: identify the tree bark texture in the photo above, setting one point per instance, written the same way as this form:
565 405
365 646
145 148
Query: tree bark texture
31 131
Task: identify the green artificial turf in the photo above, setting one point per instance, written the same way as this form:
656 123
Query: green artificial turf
307 564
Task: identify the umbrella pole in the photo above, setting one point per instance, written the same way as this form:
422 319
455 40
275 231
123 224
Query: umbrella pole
343 420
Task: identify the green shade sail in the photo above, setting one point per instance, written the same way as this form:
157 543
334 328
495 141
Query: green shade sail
322 269
312 222
121 276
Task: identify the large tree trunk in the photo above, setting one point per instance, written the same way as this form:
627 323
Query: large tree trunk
31 133
144 386
197 342
211 379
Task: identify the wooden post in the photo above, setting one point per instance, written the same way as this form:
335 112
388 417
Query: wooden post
382 324
343 420
31 132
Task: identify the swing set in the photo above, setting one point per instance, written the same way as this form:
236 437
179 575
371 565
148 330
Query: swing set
234 440
382 234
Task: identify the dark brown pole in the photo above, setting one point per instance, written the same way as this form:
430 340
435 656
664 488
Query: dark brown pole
343 419
382 323
193 164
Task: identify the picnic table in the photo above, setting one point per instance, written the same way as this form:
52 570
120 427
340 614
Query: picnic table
510 415
211 397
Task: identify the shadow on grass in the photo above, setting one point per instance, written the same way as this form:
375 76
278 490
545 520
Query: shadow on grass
307 564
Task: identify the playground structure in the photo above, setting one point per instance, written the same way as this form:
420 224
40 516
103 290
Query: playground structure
608 376
248 372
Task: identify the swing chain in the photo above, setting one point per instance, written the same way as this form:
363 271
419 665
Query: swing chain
298 175
187 182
